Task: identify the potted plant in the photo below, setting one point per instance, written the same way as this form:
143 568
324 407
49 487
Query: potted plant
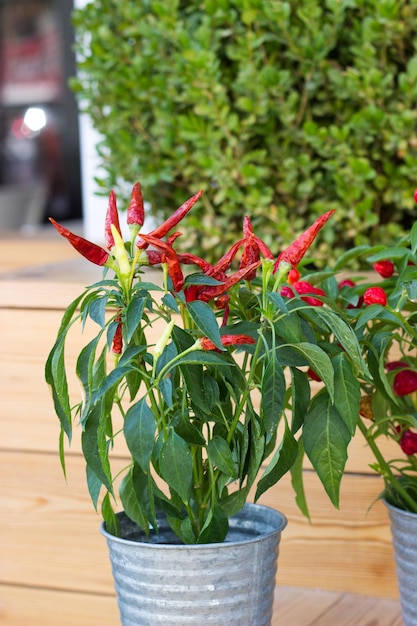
203 377
382 310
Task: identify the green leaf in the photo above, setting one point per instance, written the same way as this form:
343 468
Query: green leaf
204 318
215 527
139 431
110 518
319 362
344 334
326 438
221 456
347 398
282 461
134 315
132 495
300 391
272 396
97 310
94 485
94 446
297 482
56 377
110 382
176 465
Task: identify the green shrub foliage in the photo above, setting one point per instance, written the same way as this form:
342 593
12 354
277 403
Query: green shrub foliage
279 110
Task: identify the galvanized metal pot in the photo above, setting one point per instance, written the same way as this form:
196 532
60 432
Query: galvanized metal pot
404 536
160 581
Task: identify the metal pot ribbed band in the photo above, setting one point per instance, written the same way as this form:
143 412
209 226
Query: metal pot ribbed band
404 535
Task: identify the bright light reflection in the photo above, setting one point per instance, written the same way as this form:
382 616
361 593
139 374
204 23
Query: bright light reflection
35 119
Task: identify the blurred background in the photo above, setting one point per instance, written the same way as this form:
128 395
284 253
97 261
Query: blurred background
39 127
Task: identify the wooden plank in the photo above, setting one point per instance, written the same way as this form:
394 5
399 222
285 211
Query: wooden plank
297 607
48 607
49 532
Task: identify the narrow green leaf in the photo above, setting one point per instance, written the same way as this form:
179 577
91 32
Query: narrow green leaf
132 495
139 431
215 527
205 319
176 465
326 438
221 456
297 482
97 310
320 363
94 446
110 518
94 485
134 315
272 396
348 394
282 461
343 333
301 392
56 377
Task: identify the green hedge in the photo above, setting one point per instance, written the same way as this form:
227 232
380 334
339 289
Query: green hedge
279 110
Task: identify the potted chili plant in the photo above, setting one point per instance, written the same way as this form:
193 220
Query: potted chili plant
204 377
380 306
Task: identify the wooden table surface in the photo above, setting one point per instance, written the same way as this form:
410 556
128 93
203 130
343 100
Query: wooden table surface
37 261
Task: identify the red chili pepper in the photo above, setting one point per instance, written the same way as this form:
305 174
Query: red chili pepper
395 365
136 209
226 340
169 256
287 292
117 346
375 295
209 293
405 382
191 259
224 263
304 287
313 375
112 217
408 442
174 219
384 268
297 249
345 283
253 247
293 275
91 251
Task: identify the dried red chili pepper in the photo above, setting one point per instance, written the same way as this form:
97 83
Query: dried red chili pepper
91 251
187 258
117 345
408 442
136 209
209 293
384 268
174 219
287 292
225 262
226 340
112 217
375 295
253 247
168 256
297 249
405 382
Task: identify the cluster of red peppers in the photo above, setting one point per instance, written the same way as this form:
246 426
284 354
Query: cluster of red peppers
157 248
